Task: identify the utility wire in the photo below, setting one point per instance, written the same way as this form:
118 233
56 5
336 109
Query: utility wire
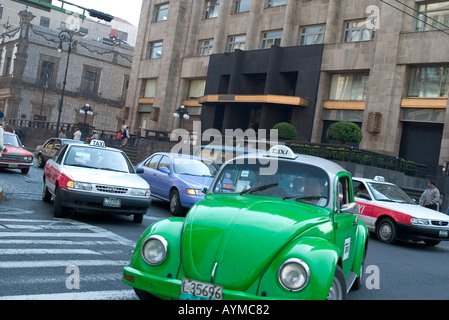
420 13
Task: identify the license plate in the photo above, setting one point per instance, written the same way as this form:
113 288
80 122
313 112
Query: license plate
13 165
196 290
444 233
112 202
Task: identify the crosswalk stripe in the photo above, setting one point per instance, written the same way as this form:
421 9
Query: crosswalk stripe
88 295
47 251
60 263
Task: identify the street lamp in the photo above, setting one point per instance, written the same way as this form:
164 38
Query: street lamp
86 110
181 113
64 36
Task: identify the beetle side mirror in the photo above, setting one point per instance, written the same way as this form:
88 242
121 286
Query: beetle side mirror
350 208
204 190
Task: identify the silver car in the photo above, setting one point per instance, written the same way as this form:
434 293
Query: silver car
95 179
49 148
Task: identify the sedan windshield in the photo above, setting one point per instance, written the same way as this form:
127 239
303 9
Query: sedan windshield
98 158
389 192
12 140
194 167
291 181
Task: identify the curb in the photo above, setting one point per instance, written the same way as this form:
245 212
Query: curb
1 194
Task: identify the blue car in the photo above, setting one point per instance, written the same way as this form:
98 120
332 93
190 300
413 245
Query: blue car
179 179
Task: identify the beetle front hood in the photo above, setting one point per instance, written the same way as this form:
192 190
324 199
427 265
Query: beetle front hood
241 234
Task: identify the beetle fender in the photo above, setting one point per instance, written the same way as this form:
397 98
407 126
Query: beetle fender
362 237
320 255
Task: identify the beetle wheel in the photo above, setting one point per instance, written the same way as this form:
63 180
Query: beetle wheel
338 287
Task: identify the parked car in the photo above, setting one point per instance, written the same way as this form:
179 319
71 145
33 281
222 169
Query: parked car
179 179
94 179
389 212
272 226
15 156
49 148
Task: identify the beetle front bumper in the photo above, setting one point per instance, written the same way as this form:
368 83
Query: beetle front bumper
170 288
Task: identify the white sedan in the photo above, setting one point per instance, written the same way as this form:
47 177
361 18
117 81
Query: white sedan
389 212
95 179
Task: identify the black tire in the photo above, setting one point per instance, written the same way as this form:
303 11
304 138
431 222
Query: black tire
386 231
143 295
58 209
175 203
46 195
40 161
25 171
338 287
138 218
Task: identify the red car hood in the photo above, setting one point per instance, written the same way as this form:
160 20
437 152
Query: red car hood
11 150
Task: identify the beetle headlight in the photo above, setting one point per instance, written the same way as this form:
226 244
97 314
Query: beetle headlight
294 274
154 250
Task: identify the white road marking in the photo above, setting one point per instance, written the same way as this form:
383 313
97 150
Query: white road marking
89 295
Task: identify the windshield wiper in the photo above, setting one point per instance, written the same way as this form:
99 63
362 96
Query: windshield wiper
260 188
301 199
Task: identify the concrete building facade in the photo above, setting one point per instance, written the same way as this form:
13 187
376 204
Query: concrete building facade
382 65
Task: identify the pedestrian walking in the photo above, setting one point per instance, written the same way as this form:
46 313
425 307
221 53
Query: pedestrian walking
138 135
95 136
77 134
119 137
430 197
62 134
2 138
125 136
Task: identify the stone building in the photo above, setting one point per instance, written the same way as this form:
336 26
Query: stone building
238 63
32 75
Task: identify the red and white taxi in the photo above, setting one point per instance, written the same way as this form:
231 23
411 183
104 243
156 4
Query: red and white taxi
389 212
15 156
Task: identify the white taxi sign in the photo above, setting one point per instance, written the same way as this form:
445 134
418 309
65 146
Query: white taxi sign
282 152
97 143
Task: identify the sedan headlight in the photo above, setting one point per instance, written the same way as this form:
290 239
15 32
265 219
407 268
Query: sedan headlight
194 192
140 192
294 274
154 250
419 221
82 186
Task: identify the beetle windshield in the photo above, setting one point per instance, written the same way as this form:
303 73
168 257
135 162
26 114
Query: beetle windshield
98 158
389 192
291 181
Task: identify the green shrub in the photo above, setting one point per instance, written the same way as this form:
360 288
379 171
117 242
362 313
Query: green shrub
286 131
344 131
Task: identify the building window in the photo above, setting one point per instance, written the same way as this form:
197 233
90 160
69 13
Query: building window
211 9
44 22
240 6
312 35
433 16
150 88
161 13
7 67
275 3
205 47
357 31
236 42
349 87
196 89
270 38
46 75
428 82
89 88
155 50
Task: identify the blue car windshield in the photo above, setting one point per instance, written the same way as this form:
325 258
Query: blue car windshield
194 167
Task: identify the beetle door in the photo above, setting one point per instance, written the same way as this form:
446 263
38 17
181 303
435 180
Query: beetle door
345 222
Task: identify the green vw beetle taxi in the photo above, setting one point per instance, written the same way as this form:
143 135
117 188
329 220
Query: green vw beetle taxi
272 226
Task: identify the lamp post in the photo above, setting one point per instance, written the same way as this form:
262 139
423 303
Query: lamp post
86 110
64 36
181 113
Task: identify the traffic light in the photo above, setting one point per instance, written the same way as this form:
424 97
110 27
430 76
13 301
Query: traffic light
100 15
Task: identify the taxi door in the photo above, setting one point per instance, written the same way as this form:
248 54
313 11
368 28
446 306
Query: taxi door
345 222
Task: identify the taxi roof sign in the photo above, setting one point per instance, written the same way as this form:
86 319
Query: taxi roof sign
98 143
281 151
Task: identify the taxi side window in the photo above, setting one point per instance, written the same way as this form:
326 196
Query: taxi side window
60 154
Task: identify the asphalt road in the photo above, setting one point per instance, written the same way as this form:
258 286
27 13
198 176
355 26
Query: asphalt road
38 253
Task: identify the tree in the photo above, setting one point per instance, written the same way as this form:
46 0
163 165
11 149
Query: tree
344 131
286 131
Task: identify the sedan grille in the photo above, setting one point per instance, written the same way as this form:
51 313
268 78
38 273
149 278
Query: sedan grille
439 223
111 189
12 157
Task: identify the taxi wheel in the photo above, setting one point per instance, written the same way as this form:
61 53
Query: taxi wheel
46 195
338 288
138 218
143 295
175 203
58 209
386 231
